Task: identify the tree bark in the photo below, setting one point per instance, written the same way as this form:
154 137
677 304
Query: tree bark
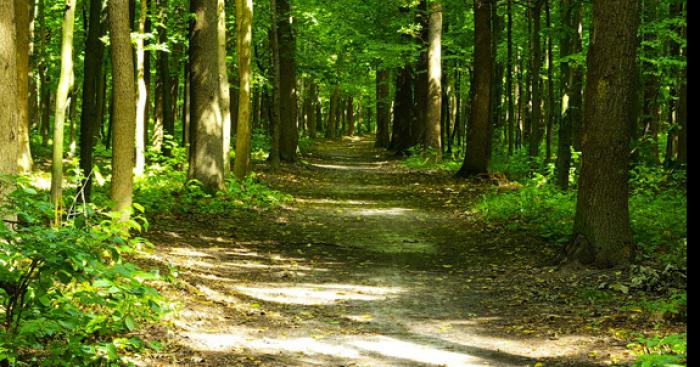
64 86
142 92
224 92
244 22
536 125
401 139
476 159
22 19
289 136
570 42
602 232
433 139
124 109
383 108
350 117
207 150
165 115
9 119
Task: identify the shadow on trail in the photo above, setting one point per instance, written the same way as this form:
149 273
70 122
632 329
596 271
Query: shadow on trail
371 265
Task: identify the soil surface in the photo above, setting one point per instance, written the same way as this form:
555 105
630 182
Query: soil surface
372 264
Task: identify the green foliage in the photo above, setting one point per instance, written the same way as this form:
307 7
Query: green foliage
658 211
668 351
418 159
69 296
166 190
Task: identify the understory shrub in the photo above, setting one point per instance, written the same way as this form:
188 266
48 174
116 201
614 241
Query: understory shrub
69 296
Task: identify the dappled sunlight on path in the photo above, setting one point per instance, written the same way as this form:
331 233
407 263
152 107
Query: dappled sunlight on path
369 265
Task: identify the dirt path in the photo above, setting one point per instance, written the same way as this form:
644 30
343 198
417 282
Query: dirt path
369 265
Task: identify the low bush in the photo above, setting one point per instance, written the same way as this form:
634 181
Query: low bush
69 297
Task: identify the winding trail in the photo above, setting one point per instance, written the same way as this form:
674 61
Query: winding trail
370 264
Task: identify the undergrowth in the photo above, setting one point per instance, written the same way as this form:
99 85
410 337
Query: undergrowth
69 296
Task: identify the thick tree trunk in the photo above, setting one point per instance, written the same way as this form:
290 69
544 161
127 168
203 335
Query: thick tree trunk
244 23
64 86
433 138
22 19
602 232
289 136
206 150
9 119
124 110
476 159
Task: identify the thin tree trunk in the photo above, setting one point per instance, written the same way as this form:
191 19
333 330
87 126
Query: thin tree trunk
64 86
433 138
536 127
244 22
224 93
142 92
350 117
550 84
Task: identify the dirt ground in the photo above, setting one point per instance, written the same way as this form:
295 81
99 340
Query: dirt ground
372 264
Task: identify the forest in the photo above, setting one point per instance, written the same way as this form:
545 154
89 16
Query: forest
343 183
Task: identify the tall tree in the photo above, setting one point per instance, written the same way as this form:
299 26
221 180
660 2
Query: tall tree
165 120
289 136
92 84
64 85
9 121
224 92
276 119
476 159
537 126
383 108
244 23
570 43
206 147
142 91
602 232
124 108
434 106
22 17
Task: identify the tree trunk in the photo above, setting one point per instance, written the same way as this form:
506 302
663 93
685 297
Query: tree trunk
350 116
401 139
288 83
571 14
433 139
244 22
142 92
332 128
536 125
224 92
92 83
312 118
509 81
24 156
167 122
64 86
123 110
421 79
383 108
550 85
602 232
476 159
9 119
207 150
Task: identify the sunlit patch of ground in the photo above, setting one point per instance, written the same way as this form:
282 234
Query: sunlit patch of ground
368 266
